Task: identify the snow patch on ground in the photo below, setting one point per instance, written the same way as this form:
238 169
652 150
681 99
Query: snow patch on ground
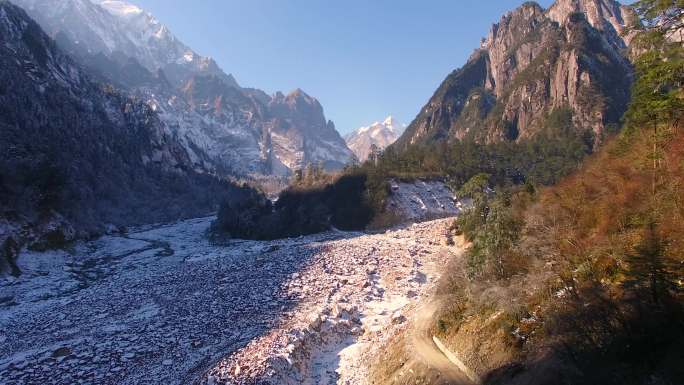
422 200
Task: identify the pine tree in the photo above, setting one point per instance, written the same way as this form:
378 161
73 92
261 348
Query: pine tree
663 17
650 268
657 93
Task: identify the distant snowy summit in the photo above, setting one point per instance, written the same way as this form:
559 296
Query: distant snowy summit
378 134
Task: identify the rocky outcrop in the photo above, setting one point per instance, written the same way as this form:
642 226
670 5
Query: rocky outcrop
224 128
374 138
534 62
435 120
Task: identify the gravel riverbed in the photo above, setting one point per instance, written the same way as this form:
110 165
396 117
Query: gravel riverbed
164 305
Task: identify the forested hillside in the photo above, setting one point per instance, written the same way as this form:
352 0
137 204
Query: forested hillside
79 157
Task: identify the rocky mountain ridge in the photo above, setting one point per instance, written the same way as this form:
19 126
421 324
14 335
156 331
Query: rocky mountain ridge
225 128
115 28
378 134
607 16
535 62
79 157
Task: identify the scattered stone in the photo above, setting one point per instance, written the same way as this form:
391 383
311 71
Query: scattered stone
347 278
61 352
281 314
398 319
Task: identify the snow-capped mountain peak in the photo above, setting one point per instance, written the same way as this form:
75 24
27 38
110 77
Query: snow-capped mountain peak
114 27
119 8
379 134
393 125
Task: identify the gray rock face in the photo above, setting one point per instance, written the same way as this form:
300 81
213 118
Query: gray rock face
535 61
224 128
607 16
299 134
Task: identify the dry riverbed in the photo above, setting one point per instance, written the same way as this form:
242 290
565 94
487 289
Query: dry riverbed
163 305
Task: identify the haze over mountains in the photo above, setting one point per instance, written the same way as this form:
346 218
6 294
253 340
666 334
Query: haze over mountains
224 128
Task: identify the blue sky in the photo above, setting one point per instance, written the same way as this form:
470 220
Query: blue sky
362 59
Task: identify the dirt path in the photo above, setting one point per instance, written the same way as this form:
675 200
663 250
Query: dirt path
423 347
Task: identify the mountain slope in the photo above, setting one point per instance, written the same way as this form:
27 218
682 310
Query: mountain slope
111 27
224 128
77 155
534 62
378 134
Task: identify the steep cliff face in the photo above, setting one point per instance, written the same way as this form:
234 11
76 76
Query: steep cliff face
223 127
434 122
532 63
299 134
607 16
251 131
220 121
